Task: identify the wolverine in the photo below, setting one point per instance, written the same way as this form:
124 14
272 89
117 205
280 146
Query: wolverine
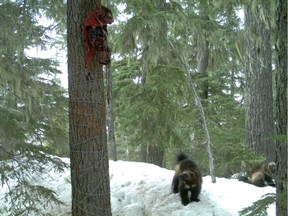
187 180
261 175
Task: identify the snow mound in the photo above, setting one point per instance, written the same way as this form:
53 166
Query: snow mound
145 190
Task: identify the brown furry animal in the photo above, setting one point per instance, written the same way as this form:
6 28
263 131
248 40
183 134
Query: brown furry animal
261 175
187 180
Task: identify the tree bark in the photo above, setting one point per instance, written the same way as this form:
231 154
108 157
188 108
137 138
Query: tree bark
88 141
110 119
202 64
259 100
281 108
156 155
143 152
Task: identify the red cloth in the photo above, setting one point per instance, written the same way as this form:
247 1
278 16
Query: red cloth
95 34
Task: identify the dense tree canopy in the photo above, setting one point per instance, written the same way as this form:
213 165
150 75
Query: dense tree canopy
33 101
33 106
210 45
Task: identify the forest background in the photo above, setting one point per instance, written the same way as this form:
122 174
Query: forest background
236 66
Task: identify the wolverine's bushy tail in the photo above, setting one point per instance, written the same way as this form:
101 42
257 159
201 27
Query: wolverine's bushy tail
180 157
244 179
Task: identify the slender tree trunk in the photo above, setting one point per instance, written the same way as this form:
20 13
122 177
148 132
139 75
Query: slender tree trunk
208 142
281 108
88 141
110 119
259 100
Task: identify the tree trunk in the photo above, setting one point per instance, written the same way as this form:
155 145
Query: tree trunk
202 64
259 100
208 142
88 141
156 155
110 119
143 152
281 108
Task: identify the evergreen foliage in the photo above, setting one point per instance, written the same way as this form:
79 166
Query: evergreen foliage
260 206
144 106
19 173
154 111
33 107
32 99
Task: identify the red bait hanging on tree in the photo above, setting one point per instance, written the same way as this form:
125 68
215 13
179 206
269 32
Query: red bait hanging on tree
95 35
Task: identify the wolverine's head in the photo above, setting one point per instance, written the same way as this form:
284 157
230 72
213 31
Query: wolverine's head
189 178
272 167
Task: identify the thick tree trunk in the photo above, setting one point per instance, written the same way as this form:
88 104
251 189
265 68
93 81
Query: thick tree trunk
156 155
88 141
110 119
281 108
259 100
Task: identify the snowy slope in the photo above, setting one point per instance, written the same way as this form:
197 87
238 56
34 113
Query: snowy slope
144 189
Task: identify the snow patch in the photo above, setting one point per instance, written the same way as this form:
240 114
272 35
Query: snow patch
145 190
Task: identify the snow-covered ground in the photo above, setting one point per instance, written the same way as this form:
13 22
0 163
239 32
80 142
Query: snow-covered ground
141 189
